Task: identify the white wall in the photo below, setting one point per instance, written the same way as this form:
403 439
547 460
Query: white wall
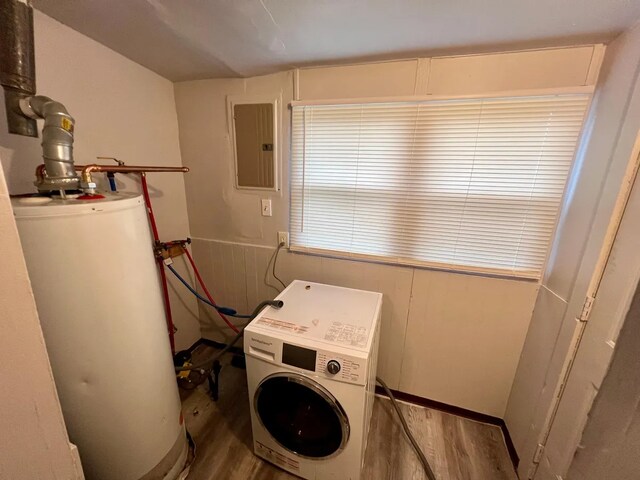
613 126
121 110
450 337
33 442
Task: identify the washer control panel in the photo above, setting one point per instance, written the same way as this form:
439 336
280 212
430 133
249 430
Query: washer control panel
347 369
328 364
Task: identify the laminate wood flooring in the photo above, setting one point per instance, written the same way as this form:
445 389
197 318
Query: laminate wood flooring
457 448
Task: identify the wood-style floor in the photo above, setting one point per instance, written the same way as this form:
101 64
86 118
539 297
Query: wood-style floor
457 448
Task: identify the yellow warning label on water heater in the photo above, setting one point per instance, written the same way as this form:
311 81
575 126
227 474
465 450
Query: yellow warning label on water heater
67 124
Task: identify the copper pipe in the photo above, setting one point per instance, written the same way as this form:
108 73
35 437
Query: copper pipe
40 172
130 168
88 169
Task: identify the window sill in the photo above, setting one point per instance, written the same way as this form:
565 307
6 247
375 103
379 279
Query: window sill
403 262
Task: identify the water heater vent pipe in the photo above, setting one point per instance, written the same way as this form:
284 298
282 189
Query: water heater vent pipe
23 107
57 143
17 63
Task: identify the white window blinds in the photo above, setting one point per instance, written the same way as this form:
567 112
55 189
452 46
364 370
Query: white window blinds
465 184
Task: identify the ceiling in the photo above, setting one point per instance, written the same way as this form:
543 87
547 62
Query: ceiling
195 39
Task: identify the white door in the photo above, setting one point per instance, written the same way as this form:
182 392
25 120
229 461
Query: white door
613 286
561 324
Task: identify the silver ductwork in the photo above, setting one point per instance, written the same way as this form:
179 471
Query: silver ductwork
18 78
17 63
57 143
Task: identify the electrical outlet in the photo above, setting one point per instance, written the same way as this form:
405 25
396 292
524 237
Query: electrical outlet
266 207
283 237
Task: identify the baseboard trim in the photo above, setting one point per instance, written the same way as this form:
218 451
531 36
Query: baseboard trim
511 448
460 412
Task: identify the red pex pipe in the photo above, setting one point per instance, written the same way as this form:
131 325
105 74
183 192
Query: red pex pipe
163 274
147 200
206 291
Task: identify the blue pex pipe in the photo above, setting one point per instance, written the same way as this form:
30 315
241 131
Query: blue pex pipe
224 310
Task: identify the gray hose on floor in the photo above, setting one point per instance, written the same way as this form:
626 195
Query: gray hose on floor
209 361
405 427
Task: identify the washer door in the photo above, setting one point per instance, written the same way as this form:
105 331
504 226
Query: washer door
301 415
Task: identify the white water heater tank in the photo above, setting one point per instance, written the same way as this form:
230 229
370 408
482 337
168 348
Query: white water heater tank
99 300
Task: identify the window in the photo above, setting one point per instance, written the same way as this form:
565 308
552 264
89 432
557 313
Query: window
471 185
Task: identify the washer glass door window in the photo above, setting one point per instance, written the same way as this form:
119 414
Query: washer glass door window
301 415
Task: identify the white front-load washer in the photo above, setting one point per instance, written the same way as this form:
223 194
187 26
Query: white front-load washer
311 368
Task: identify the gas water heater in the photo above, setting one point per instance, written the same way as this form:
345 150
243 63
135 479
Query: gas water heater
99 300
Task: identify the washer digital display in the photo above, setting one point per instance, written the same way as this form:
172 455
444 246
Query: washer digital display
299 357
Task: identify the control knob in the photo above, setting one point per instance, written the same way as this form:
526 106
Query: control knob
333 367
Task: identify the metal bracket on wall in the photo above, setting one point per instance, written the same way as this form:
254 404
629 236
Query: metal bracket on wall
538 455
587 307
172 249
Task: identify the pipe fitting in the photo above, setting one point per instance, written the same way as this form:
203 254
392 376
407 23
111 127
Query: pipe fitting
57 143
86 179
88 187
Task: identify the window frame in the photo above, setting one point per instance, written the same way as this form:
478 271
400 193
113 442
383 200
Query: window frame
439 266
